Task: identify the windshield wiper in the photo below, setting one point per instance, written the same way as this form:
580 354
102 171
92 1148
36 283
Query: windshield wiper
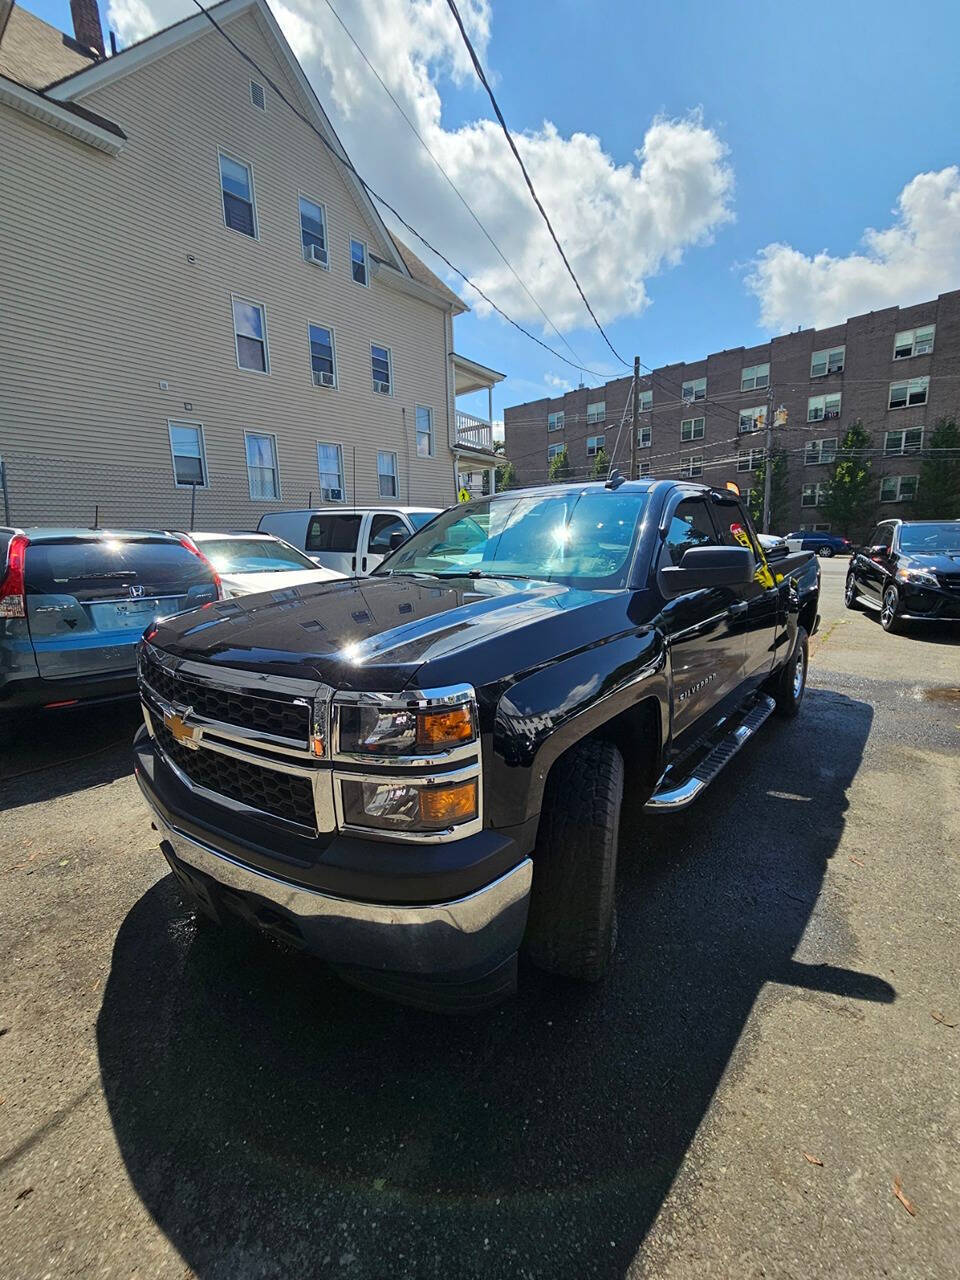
479 573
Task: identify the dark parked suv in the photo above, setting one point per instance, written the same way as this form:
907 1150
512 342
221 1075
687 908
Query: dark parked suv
909 569
75 602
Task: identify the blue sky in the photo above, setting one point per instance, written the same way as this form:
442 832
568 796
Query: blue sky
826 115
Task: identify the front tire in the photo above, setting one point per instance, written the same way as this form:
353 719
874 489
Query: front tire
890 611
572 924
826 552
850 593
792 681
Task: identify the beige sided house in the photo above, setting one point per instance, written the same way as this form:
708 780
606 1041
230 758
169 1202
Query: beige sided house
195 291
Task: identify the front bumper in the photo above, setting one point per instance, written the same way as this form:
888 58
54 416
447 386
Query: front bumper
938 603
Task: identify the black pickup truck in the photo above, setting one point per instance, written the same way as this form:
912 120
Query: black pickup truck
414 775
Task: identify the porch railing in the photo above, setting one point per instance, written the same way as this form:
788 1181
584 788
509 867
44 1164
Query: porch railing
474 431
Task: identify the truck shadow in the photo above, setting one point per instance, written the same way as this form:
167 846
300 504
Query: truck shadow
58 752
278 1123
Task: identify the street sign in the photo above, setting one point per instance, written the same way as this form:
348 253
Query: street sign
464 496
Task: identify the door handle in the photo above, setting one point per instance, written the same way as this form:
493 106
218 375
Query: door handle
363 565
353 564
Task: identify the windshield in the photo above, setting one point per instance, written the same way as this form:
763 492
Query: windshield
583 538
419 518
254 555
929 539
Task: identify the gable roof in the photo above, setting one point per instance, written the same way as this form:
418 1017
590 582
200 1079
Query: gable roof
33 53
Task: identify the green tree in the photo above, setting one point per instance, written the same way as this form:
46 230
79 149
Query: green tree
938 490
559 468
600 465
778 491
851 498
506 475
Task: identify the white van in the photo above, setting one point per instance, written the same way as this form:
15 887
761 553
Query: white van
351 540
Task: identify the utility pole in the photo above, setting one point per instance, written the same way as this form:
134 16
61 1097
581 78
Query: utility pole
636 410
781 417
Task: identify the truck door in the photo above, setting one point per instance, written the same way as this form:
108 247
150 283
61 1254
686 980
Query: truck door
383 525
703 631
756 611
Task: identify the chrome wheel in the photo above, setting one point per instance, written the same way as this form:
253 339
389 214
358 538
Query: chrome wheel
826 552
888 610
799 674
850 593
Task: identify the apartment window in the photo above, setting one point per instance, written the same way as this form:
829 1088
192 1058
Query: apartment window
814 528
555 420
696 389
387 475
424 431
554 451
189 459
812 495
749 461
914 342
594 445
358 261
692 465
644 468
236 188
257 96
263 474
822 407
827 361
644 401
907 441
330 467
904 394
754 377
313 231
752 419
322 359
250 332
597 411
644 437
382 370
898 488
820 451
691 429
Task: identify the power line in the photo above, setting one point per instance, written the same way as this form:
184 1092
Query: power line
458 193
523 169
374 195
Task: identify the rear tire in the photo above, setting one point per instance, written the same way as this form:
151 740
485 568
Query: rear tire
826 552
792 681
890 611
572 925
851 597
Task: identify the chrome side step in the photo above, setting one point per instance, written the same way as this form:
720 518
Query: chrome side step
668 797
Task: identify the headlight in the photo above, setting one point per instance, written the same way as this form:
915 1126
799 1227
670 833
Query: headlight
403 806
377 728
921 577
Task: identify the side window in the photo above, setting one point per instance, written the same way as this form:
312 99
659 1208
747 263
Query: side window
381 529
882 536
690 526
333 533
735 528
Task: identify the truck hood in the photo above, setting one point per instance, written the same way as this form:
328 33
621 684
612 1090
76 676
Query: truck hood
377 633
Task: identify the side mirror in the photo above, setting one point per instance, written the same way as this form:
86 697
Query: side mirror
704 567
398 539
880 550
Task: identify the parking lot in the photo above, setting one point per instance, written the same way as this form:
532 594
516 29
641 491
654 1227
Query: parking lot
776 1048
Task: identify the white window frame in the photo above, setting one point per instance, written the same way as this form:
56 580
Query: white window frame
920 328
324 386
903 448
262 435
598 443
909 383
820 402
750 377
389 369
693 433
388 453
198 426
899 485
331 444
596 412
235 159
815 528
645 400
324 263
813 452
554 450
555 426
365 282
755 413
251 302
691 466
698 390
255 84
644 468
818 493
826 353
417 432
750 460
644 437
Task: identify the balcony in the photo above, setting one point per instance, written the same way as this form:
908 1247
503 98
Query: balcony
474 432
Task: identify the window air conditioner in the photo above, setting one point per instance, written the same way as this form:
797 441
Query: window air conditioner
322 378
382 387
315 253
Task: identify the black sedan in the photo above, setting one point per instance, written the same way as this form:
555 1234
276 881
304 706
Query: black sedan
909 569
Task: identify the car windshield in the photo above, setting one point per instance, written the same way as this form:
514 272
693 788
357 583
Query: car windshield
582 538
253 555
930 539
419 518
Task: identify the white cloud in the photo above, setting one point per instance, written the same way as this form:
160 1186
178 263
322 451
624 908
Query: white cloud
619 223
558 384
914 259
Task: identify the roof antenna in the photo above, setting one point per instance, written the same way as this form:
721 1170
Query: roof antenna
614 479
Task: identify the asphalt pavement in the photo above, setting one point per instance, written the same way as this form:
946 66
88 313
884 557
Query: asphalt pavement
776 1049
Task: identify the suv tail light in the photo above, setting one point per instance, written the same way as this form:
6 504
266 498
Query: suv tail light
12 593
195 551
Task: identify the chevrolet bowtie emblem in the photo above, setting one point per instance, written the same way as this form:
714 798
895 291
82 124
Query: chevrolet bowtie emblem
185 734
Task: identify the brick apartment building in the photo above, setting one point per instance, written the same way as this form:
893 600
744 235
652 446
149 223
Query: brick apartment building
896 370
